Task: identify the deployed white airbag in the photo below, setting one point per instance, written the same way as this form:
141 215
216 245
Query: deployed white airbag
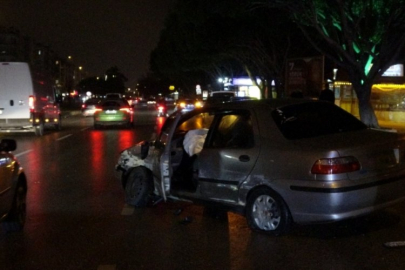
194 140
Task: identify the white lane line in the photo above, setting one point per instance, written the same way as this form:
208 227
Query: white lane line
127 210
22 153
107 267
64 137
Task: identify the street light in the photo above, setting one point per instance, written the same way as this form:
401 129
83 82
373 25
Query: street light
224 81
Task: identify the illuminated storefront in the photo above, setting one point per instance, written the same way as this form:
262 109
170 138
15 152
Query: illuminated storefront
387 95
245 88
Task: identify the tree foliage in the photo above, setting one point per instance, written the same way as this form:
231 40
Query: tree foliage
224 38
364 37
113 81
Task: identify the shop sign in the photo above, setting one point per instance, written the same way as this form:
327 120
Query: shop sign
394 71
305 75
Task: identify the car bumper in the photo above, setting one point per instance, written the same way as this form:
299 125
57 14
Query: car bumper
112 123
88 113
328 204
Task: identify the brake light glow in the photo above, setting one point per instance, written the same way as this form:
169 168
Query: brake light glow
335 165
31 102
128 110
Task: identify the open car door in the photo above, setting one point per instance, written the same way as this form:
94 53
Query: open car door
166 170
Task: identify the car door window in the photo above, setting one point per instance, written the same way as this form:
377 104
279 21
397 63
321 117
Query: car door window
199 121
233 131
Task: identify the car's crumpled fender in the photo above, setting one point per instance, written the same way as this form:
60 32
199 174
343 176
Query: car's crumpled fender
133 156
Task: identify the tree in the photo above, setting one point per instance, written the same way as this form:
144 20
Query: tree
114 80
225 38
364 37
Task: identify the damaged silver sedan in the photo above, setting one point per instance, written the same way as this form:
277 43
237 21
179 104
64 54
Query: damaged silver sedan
277 162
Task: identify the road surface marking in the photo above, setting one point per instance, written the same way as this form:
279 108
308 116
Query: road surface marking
22 153
64 137
127 210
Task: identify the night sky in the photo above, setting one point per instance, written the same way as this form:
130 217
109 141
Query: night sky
98 34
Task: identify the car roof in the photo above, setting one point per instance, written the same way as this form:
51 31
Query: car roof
112 101
272 103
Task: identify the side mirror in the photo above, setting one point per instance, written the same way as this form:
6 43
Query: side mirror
8 145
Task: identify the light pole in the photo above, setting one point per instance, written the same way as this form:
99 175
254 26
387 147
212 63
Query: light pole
223 81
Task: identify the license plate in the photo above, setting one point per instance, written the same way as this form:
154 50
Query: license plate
110 111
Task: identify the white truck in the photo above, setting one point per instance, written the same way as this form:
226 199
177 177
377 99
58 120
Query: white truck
27 103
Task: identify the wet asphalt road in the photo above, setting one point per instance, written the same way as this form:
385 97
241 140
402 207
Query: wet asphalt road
77 218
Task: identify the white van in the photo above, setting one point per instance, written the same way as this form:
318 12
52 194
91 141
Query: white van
27 104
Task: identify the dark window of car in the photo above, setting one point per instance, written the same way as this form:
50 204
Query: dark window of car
92 101
198 121
312 119
112 103
233 131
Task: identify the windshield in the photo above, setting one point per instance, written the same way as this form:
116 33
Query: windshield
314 119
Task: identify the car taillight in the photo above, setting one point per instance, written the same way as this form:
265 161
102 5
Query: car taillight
182 104
128 110
161 107
31 102
198 104
83 106
335 165
98 109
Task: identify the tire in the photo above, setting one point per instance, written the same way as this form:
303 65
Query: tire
138 187
129 125
58 126
267 212
39 130
16 218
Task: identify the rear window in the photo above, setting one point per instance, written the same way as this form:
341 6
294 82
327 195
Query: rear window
314 119
92 101
113 103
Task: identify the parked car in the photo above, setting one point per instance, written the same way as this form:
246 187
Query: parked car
13 188
113 112
277 162
89 106
188 104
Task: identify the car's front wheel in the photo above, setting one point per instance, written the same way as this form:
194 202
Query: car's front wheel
16 218
138 187
266 211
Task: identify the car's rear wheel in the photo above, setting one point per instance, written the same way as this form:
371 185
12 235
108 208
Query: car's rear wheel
266 211
129 125
16 218
138 187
